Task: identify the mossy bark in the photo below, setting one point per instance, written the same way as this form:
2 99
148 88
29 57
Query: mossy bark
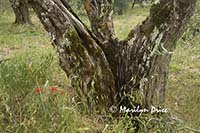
20 8
109 72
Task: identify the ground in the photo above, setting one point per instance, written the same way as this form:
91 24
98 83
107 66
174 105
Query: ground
29 62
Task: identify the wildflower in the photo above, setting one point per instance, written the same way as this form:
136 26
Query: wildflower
54 88
38 90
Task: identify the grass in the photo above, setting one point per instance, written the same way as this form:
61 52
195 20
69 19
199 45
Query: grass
126 22
183 94
32 63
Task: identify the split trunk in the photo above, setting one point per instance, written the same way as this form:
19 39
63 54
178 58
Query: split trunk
108 71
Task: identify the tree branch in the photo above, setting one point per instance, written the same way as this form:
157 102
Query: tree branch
80 55
100 15
169 17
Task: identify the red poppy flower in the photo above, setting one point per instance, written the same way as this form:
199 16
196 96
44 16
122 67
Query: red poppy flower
54 88
38 90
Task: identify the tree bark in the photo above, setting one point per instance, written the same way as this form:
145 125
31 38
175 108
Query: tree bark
146 53
109 72
20 8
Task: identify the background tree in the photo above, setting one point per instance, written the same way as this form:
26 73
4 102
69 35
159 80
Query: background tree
194 26
20 8
120 6
133 71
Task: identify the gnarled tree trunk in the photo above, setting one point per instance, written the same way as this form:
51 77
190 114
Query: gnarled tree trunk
20 8
130 72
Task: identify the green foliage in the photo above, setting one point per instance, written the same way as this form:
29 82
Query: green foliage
21 108
36 112
193 27
145 123
23 72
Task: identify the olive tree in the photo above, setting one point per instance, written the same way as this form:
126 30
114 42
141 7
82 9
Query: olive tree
120 6
109 71
20 8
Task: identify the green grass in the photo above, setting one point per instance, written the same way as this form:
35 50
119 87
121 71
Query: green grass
184 88
32 63
124 23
